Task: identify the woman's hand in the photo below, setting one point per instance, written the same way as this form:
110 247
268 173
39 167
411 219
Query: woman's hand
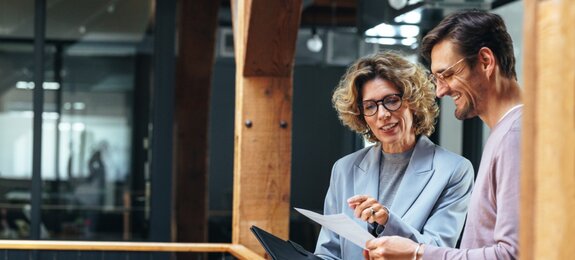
368 209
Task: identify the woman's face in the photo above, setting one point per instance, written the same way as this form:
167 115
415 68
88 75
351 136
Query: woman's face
393 129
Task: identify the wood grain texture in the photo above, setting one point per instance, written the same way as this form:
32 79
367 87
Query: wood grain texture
243 253
238 251
270 37
112 246
527 141
197 24
330 3
552 150
264 33
262 159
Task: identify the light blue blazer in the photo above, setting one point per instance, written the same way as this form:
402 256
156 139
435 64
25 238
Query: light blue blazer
429 207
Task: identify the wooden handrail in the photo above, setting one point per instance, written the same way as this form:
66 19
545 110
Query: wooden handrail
236 250
243 252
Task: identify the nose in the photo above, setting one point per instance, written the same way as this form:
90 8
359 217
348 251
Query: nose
382 112
441 89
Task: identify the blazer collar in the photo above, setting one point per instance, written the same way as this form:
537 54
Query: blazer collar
417 174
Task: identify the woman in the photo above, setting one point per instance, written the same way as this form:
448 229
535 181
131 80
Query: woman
404 185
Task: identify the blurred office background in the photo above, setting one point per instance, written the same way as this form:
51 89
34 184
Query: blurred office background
100 167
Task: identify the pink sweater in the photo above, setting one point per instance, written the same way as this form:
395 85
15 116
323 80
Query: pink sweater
493 217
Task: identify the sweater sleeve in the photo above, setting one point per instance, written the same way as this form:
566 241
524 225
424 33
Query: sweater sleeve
505 169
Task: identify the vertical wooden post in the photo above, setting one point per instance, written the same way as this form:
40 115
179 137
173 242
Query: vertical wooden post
264 36
548 172
197 24
527 222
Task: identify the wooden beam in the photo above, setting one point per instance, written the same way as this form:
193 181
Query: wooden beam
243 253
336 3
548 206
264 33
271 34
112 246
527 223
314 16
197 35
262 159
238 251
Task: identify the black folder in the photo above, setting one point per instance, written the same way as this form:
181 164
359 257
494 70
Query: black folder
280 249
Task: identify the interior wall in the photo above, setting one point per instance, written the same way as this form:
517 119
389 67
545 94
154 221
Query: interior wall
512 14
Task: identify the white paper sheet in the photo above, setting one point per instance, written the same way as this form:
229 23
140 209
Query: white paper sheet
342 225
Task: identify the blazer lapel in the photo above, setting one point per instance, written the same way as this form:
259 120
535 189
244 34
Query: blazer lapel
366 176
417 175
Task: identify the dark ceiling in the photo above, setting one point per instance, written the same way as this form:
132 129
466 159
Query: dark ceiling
82 25
127 20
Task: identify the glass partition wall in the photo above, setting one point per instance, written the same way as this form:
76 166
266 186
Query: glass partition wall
16 65
95 122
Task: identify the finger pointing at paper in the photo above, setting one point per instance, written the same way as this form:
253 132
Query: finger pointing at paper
368 209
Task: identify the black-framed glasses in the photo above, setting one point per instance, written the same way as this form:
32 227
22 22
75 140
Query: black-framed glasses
390 102
444 75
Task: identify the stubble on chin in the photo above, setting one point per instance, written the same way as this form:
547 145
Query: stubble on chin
465 113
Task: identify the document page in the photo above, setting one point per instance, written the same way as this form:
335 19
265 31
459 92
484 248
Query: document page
342 225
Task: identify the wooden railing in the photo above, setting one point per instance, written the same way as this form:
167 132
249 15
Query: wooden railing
236 250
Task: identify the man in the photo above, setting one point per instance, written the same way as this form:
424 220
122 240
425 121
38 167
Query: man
472 61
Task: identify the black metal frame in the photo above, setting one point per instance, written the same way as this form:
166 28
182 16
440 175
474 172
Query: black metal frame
161 116
162 120
36 188
473 141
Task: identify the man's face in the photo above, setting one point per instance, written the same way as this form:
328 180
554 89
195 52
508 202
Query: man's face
457 80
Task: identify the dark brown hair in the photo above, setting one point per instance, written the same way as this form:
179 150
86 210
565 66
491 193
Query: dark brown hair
471 30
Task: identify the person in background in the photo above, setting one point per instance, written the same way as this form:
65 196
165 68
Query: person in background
472 61
404 184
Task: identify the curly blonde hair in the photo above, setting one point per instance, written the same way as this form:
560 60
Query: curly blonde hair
410 79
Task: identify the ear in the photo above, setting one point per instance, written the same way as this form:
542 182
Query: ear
486 59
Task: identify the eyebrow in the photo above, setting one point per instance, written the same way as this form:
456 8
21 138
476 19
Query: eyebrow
441 70
437 71
444 69
393 94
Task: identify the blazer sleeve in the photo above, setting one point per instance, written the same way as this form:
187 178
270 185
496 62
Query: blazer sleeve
451 207
328 242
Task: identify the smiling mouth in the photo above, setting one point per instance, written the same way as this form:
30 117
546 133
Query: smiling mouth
388 127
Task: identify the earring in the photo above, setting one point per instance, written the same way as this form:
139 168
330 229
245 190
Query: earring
366 131
366 134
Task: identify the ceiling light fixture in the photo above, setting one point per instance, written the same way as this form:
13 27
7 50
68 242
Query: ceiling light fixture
314 43
397 4
413 17
48 85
